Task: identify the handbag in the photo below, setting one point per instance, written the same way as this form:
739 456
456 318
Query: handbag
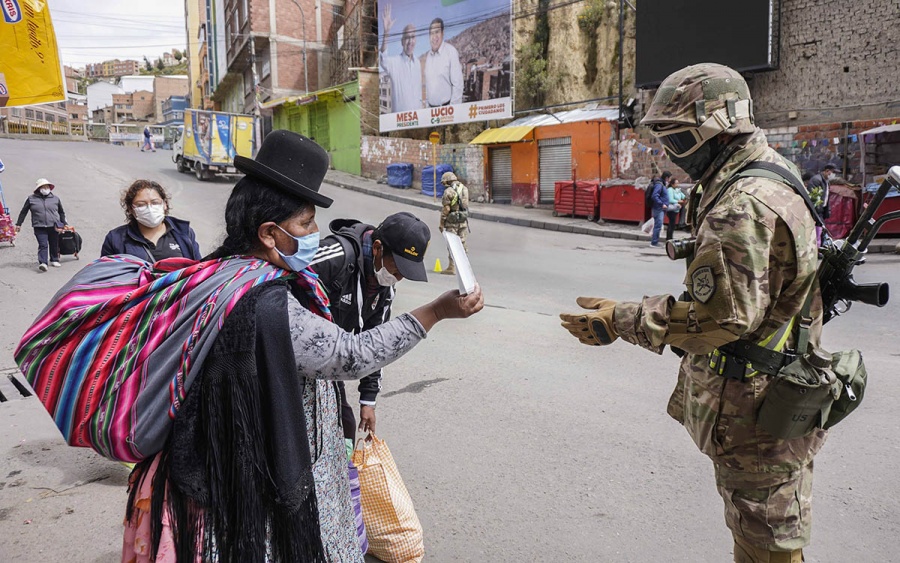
392 527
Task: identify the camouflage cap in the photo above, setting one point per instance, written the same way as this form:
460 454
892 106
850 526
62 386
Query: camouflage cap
691 95
448 177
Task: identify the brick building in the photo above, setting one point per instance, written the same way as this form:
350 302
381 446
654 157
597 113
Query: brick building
836 62
111 68
165 87
136 106
277 35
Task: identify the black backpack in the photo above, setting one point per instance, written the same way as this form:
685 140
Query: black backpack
648 193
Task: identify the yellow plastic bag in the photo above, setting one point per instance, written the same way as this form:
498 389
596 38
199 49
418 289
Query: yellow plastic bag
392 527
30 72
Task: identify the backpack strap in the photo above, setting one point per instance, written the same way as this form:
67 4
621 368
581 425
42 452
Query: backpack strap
772 171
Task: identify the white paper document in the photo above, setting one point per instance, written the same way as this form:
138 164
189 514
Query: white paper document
464 274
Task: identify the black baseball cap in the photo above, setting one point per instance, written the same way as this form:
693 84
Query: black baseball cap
407 236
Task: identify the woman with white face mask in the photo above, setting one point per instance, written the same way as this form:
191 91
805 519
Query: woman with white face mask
150 232
47 215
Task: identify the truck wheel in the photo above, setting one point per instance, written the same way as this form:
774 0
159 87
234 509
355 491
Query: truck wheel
180 165
198 170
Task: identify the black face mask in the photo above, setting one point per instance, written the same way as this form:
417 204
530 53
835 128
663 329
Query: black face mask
698 162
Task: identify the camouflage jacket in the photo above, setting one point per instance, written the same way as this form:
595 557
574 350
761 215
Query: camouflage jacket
755 263
455 201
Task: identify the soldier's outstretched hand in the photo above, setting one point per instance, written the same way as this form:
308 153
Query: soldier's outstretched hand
594 327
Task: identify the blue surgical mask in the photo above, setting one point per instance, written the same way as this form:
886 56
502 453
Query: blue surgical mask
306 250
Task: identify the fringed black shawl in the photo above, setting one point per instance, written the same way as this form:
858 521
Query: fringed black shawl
237 467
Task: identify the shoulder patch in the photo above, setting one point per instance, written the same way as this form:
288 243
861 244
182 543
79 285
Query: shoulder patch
703 284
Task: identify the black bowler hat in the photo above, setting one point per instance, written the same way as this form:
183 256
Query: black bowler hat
407 236
291 162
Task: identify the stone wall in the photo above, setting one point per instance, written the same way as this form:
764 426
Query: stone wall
467 160
839 62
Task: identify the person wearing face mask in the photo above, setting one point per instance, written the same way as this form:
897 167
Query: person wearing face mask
47 215
359 265
255 444
149 231
751 291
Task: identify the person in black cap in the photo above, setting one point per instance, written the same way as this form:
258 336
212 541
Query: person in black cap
359 265
262 406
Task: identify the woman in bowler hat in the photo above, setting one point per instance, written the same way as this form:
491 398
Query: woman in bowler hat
236 479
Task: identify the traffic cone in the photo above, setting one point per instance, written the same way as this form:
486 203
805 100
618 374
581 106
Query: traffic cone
437 266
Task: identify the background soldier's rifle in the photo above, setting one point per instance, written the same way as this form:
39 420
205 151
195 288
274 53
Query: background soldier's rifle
839 257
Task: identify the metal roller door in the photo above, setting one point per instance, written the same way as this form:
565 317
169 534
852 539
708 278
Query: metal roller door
555 162
501 174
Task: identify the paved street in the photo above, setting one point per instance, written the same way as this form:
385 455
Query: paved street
516 442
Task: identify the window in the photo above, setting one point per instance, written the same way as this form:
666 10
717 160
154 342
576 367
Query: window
39 115
51 118
16 112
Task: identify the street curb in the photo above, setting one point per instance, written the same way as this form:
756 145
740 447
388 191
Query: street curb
888 246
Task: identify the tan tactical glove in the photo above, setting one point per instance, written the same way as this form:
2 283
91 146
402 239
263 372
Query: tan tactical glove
596 327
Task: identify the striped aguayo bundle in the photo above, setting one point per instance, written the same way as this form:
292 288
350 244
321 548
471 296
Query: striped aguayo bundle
114 353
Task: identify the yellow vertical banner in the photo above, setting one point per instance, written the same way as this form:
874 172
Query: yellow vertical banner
30 72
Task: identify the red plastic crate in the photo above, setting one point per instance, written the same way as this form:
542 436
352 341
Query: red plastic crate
578 199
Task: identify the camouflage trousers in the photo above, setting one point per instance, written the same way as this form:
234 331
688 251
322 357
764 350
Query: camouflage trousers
461 230
765 482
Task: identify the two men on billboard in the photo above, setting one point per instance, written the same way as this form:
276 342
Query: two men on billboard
443 73
404 70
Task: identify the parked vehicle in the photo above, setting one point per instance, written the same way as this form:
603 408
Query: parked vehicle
209 141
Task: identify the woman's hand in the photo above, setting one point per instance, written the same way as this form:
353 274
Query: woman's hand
450 305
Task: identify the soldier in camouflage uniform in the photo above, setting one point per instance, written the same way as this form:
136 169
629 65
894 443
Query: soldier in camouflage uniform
454 212
753 266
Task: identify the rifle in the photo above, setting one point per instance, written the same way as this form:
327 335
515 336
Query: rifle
835 274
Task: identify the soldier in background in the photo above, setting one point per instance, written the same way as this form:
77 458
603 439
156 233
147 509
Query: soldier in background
753 267
455 212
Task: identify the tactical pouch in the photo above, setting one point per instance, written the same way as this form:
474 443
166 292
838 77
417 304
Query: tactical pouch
458 216
798 401
850 387
804 397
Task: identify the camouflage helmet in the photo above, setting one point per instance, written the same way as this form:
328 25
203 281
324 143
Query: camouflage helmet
705 99
448 177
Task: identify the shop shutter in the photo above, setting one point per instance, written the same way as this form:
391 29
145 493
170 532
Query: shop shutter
555 162
501 174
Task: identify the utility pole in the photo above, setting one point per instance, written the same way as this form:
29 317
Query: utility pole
303 22
257 121
621 77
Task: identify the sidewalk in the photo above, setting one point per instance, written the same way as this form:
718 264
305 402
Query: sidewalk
536 218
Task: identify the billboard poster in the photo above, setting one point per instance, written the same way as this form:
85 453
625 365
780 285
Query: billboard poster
443 62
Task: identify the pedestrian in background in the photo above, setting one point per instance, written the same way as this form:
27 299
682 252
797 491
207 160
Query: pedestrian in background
674 195
149 232
47 215
659 200
454 213
148 140
819 193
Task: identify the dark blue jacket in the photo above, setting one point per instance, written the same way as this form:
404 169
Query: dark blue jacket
659 196
128 239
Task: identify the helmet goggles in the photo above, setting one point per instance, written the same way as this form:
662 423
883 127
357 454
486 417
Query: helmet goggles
682 140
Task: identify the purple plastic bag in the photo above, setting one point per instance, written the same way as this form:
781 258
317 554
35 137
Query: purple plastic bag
357 507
